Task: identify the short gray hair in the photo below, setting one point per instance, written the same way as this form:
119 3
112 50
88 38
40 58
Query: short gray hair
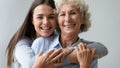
82 6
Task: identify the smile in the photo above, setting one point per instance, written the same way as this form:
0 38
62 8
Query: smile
45 28
70 26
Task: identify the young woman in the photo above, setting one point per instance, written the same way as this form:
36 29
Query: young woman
39 22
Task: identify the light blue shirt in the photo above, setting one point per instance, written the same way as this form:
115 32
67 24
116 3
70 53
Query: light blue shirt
23 54
47 44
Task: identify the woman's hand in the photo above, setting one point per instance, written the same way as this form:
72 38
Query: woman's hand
85 55
49 60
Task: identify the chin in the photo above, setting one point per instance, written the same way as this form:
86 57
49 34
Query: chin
47 35
70 31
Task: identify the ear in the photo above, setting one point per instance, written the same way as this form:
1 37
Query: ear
82 20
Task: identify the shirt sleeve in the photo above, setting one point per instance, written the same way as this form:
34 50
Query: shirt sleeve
101 50
37 45
94 63
67 58
24 55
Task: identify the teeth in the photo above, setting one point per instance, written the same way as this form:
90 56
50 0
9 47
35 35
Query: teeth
70 25
45 28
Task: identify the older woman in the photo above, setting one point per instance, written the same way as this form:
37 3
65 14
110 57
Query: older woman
73 18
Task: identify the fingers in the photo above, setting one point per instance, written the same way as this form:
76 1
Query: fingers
54 55
57 64
93 52
62 58
84 51
82 47
49 53
40 53
59 58
84 54
46 56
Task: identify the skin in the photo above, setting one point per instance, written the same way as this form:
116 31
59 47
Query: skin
84 55
44 20
69 19
70 22
48 60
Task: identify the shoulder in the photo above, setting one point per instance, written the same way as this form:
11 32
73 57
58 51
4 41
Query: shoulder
23 44
23 49
45 39
92 42
24 41
43 43
86 41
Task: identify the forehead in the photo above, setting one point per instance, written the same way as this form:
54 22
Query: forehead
46 9
68 7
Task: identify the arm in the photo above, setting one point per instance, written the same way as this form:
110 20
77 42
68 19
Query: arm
48 60
101 51
24 55
85 56
41 61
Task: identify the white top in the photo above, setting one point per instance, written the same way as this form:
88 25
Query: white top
23 54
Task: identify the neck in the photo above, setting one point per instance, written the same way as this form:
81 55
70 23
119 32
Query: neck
67 39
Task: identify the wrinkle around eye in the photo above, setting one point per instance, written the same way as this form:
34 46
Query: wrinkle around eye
51 17
73 13
39 17
61 14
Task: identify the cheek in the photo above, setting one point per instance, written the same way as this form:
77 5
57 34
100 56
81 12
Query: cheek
36 25
53 22
60 21
34 21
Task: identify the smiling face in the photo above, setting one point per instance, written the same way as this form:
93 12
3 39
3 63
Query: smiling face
69 19
44 20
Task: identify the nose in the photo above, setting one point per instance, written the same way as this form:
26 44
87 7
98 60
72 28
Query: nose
67 18
45 20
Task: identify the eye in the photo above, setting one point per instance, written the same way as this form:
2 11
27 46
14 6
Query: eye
40 17
51 17
73 13
61 14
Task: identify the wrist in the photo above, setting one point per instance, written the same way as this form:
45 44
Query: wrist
84 66
70 49
36 66
66 51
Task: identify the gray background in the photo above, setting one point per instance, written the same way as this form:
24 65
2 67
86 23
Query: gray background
105 17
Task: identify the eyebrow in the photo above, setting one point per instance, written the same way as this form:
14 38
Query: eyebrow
69 11
43 14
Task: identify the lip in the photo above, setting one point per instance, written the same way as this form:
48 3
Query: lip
70 26
45 28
